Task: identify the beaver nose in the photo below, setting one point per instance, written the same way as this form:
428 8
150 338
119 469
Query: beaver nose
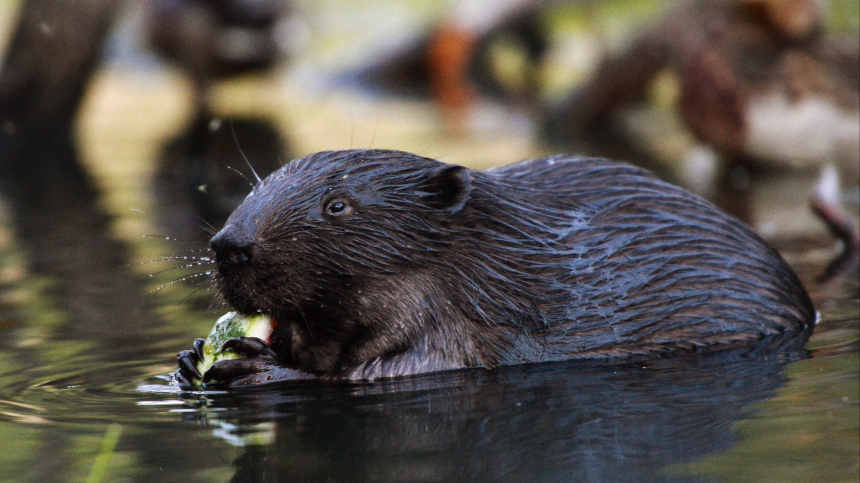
232 247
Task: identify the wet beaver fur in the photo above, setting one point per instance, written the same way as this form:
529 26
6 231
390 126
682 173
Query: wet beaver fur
380 263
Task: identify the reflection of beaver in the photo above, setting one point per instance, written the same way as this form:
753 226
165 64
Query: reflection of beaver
382 263
573 421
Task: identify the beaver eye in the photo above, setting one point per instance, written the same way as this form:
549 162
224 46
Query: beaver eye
337 208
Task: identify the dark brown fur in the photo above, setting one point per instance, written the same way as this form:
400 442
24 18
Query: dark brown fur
431 267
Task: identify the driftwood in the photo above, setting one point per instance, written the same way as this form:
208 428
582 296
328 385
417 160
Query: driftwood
50 60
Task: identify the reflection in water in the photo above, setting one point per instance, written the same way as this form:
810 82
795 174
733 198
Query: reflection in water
74 331
202 169
73 347
57 219
575 421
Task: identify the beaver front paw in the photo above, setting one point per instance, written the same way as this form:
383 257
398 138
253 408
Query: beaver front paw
258 358
187 361
260 365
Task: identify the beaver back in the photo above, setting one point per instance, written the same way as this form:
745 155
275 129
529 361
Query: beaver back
641 264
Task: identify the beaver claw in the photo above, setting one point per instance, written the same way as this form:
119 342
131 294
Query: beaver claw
250 347
259 363
187 361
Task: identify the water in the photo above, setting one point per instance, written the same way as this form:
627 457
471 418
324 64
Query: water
90 325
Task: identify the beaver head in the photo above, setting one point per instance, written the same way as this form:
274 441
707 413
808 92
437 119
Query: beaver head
333 246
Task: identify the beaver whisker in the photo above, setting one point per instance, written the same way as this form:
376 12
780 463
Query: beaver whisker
172 239
183 279
179 267
203 286
178 258
207 227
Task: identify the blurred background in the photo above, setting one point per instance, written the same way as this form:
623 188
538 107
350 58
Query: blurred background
124 132
710 94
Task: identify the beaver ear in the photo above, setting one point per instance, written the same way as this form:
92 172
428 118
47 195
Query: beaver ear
447 188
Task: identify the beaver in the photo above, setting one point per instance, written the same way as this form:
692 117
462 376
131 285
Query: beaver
378 263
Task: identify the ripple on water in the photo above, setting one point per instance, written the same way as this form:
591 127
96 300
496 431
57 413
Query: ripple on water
88 391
